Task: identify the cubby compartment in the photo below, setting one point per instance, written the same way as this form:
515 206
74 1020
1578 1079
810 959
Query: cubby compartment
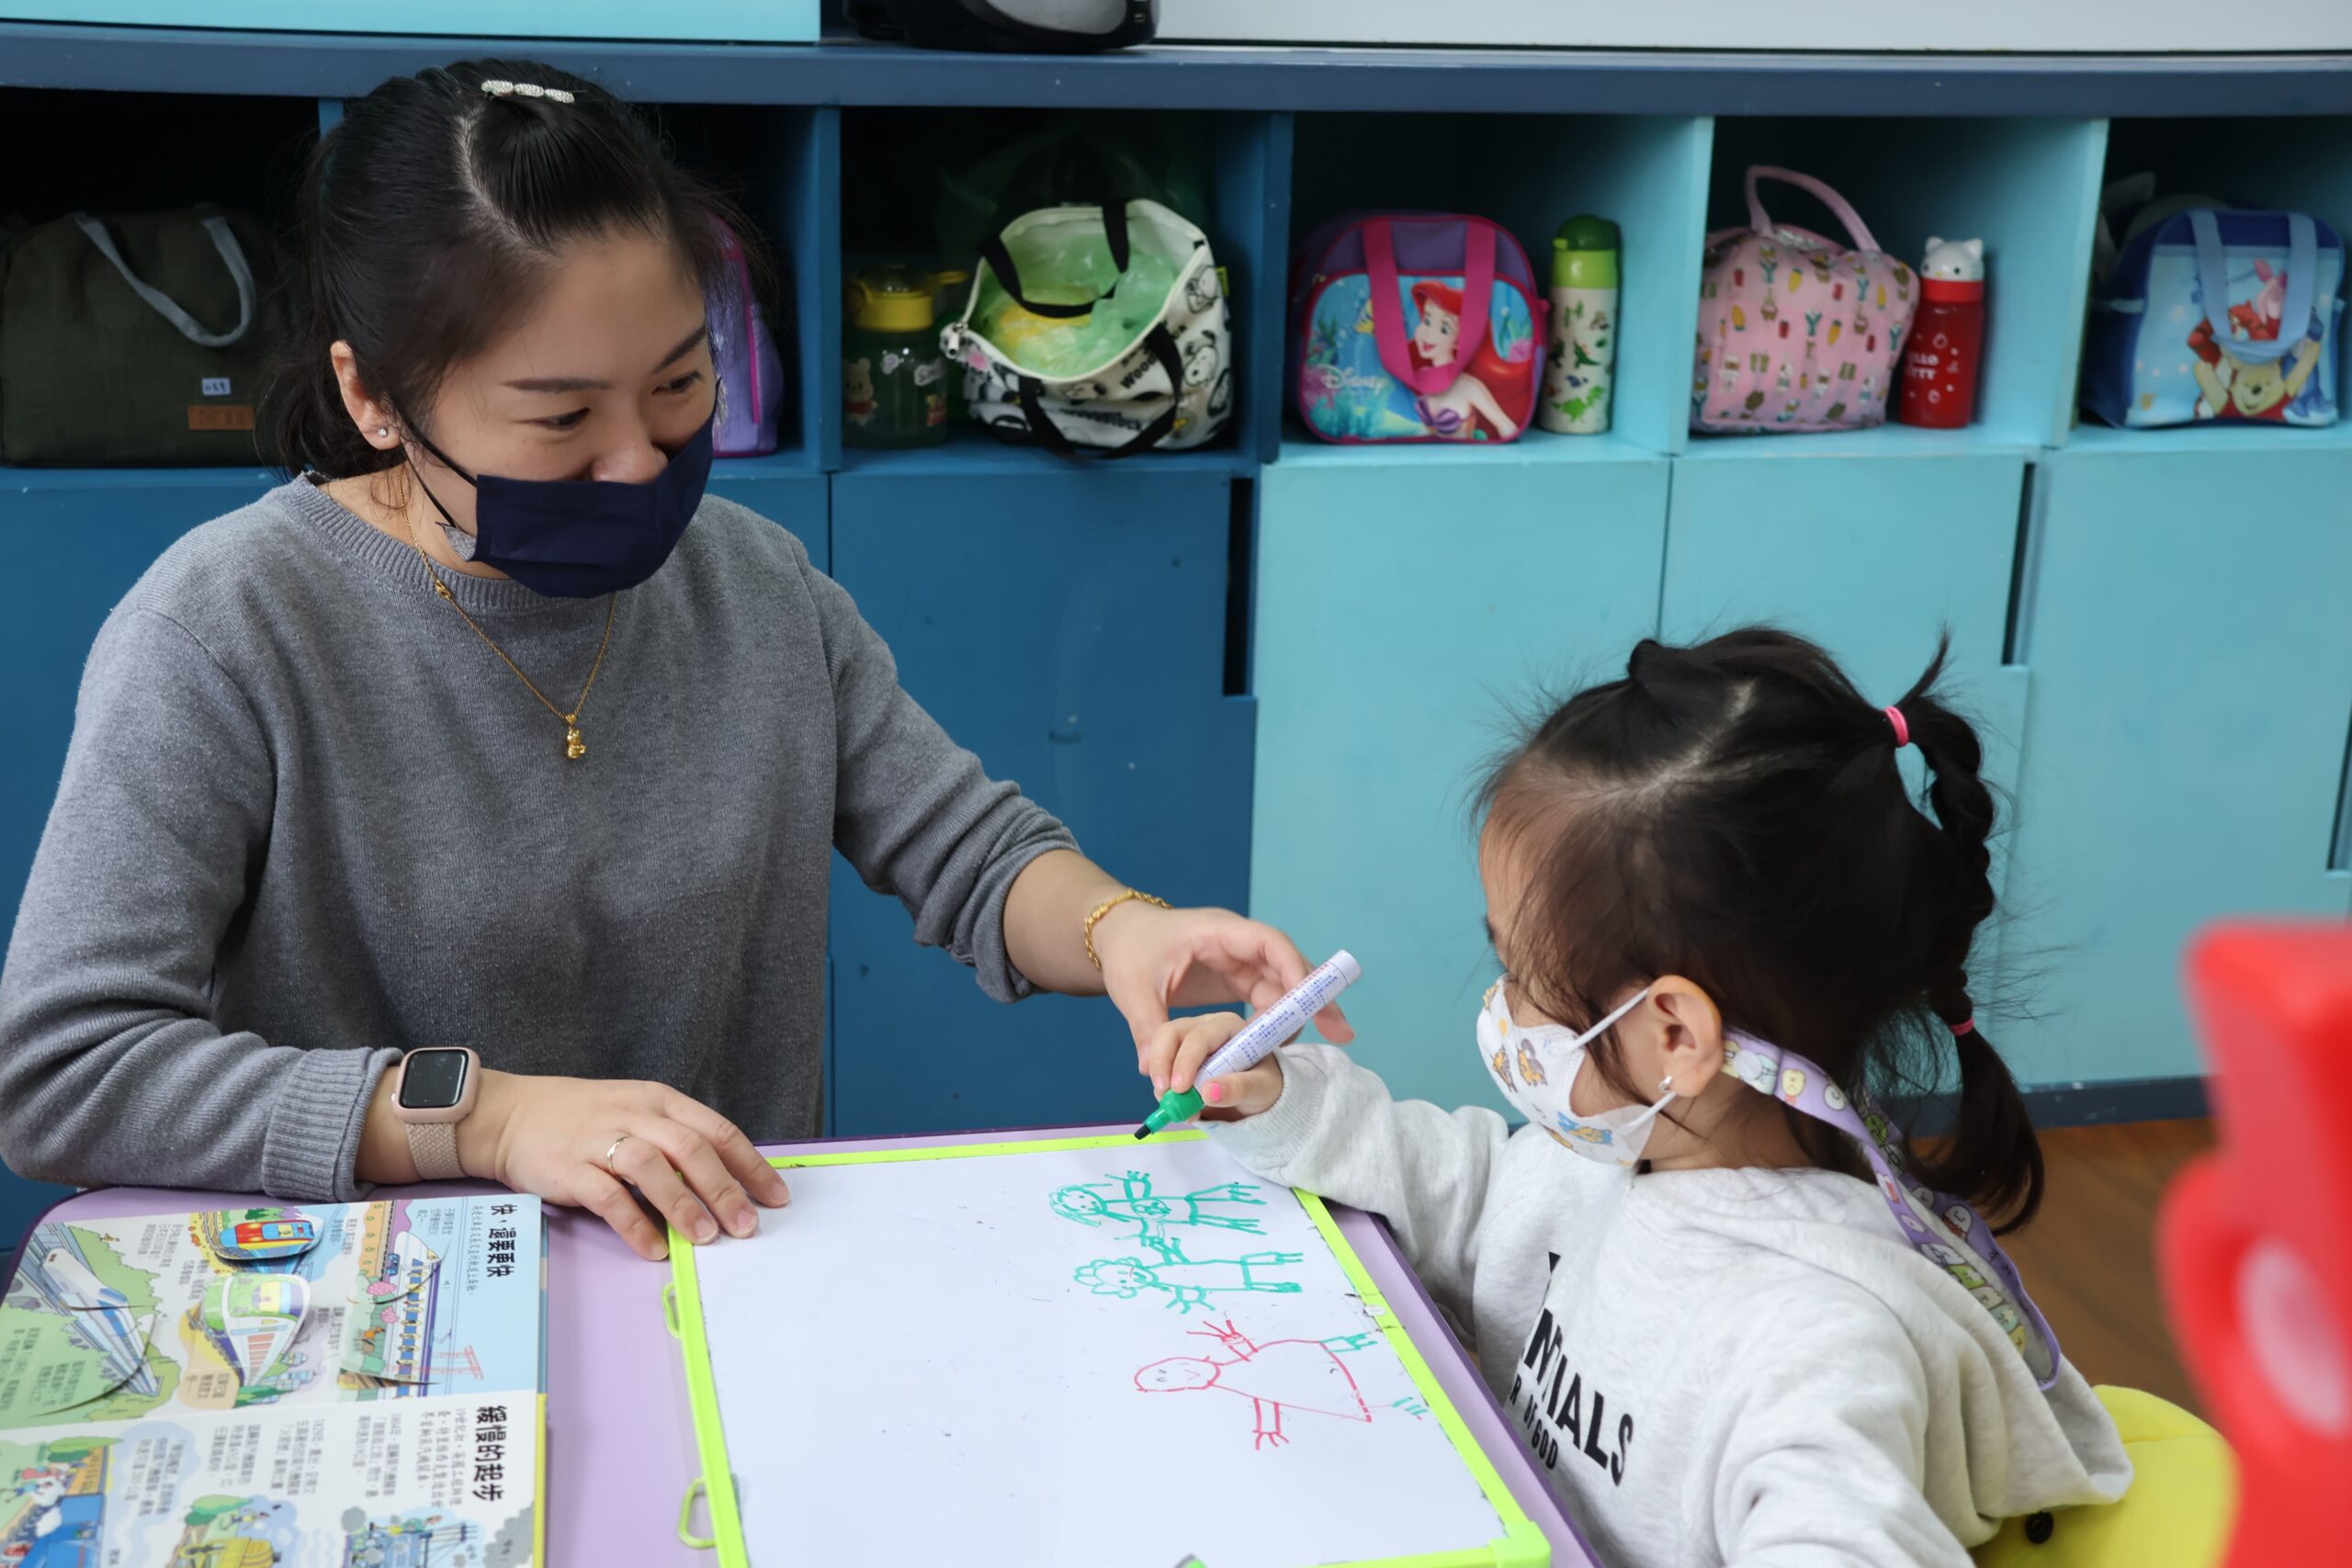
1529 174
780 166
136 151
921 187
2027 188
2303 165
111 154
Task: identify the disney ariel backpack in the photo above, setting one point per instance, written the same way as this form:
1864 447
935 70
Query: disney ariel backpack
1416 326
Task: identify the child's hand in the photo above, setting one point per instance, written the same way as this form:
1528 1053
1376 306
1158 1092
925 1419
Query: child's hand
1177 1048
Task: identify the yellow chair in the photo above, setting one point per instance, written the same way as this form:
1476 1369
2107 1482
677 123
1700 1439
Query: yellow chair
2184 1489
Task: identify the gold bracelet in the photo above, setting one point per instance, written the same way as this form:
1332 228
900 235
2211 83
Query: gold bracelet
1105 907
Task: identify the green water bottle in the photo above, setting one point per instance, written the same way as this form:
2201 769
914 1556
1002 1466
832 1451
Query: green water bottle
894 377
1584 328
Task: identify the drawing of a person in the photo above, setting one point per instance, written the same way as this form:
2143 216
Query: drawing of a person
1281 1375
1473 404
1188 1285
1092 1203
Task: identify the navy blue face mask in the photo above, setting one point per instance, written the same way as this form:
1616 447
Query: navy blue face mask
580 538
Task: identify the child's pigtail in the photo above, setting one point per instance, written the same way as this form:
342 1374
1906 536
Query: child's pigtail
1993 1157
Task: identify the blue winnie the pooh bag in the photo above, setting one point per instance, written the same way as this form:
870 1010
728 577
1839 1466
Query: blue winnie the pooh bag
2219 315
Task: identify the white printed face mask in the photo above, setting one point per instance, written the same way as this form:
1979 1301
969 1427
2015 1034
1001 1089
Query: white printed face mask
1536 1069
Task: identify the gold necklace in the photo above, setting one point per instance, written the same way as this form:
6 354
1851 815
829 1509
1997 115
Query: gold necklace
573 747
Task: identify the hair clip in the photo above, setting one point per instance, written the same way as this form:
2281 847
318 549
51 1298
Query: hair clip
1902 729
500 89
1965 1026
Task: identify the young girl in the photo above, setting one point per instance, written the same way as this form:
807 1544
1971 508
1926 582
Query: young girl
1738 1321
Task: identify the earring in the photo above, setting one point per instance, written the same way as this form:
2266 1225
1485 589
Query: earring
382 431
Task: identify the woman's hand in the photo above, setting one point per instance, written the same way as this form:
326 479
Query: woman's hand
550 1137
1157 959
1185 1043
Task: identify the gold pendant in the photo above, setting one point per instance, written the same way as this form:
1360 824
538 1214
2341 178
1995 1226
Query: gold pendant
573 747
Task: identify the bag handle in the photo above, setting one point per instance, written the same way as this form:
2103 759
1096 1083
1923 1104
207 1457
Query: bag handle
1388 310
163 304
1008 278
1031 392
2213 282
1856 230
1091 169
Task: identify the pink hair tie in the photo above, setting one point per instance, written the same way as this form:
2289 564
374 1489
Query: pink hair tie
1902 729
1965 1026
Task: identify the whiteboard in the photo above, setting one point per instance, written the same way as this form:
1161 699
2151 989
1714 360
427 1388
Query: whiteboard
1044 1358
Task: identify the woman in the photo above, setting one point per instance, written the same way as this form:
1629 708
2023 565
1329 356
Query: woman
491 730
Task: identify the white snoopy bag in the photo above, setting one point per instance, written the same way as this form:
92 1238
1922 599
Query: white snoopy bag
1166 387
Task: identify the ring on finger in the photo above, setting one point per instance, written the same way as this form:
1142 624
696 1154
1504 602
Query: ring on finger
613 1149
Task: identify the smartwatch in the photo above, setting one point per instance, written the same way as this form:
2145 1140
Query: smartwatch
434 1092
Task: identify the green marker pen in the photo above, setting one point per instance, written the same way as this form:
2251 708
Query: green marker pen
1258 1037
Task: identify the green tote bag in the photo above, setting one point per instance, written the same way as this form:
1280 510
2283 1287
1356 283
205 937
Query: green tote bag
138 339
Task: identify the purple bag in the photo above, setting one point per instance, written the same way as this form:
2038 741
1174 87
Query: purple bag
1416 326
751 373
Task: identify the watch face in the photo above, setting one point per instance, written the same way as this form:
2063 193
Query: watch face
434 1079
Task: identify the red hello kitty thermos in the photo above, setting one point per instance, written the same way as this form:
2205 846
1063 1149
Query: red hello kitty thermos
1941 362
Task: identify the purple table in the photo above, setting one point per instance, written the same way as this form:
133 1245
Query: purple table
620 1437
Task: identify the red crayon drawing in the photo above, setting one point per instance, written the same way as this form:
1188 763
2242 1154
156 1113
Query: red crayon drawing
1281 1375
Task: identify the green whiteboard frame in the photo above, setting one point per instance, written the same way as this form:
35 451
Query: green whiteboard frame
1522 1543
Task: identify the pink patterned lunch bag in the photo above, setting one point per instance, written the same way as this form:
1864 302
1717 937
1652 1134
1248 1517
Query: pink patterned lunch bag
1796 332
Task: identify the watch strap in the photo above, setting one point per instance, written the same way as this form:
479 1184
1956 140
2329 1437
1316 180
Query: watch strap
434 1147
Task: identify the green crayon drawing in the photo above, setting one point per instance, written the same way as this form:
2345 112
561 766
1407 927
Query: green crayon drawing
1189 1285
1129 1199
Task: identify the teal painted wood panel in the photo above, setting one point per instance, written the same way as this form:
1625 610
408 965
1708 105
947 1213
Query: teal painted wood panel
76 543
1403 608
1070 629
797 501
1869 557
2189 632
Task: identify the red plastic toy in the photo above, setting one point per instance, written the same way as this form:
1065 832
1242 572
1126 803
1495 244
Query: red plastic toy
2254 1241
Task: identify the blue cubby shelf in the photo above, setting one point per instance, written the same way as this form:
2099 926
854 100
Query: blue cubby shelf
974 454
2218 440
1384 81
1539 448
1888 440
233 485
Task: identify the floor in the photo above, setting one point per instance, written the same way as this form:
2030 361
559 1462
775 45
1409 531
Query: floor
2090 1258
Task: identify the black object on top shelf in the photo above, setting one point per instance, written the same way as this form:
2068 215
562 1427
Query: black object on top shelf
1076 27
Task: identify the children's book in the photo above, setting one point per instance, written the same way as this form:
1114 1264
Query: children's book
325 1384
